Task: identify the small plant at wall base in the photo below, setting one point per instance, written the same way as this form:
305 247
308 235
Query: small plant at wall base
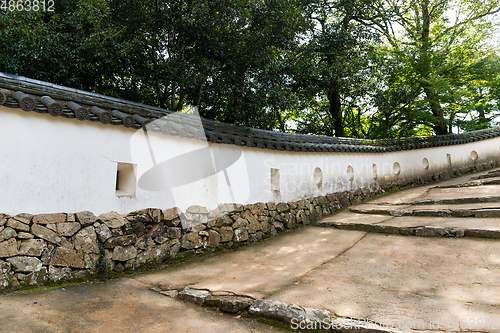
102 265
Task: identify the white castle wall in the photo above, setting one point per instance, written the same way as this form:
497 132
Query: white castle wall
52 165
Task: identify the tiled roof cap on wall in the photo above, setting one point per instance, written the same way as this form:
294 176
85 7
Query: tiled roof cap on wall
54 100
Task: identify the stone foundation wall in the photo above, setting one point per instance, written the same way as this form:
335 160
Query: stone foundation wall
35 249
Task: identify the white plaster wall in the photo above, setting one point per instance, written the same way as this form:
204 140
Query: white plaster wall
50 164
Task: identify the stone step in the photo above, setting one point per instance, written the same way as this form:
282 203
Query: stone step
478 182
480 213
457 201
421 230
490 174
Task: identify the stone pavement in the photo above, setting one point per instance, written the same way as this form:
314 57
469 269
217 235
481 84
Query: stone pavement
412 259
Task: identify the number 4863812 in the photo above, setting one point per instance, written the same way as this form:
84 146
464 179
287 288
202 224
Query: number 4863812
27 5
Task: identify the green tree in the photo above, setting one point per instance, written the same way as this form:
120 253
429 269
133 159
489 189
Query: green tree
440 41
332 69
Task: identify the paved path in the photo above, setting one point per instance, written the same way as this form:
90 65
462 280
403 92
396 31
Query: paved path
371 271
123 305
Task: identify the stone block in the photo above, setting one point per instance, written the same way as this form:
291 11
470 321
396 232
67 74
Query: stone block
135 227
17 225
194 296
47 234
190 226
25 235
37 278
171 214
170 293
91 260
481 233
161 239
273 231
156 214
258 208
240 223
67 258
7 233
240 235
487 213
124 253
155 230
49 218
144 242
247 215
4 267
59 274
149 255
140 218
253 227
116 232
191 240
4 281
230 207
226 234
174 248
282 207
86 240
8 248
67 229
213 238
287 312
173 232
194 219
265 227
119 268
271 206
120 241
279 226
47 253
24 218
85 218
24 264
51 226
289 220
103 233
112 220
304 218
432 212
224 220
431 232
31 247
229 303
3 219
195 209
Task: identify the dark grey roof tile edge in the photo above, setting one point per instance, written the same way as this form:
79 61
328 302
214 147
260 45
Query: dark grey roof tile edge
25 93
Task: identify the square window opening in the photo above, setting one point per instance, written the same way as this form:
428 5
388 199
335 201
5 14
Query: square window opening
125 180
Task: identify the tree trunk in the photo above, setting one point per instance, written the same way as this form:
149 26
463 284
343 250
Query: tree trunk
280 120
440 127
386 127
335 109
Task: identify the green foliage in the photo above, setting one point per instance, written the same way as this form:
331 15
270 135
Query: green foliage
358 68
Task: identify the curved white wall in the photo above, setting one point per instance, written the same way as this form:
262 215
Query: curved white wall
50 164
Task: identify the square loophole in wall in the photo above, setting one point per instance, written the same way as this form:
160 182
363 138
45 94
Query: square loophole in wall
126 182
